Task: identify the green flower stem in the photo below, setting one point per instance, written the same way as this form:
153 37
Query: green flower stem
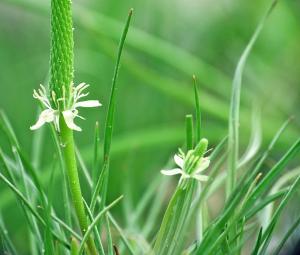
61 79
68 148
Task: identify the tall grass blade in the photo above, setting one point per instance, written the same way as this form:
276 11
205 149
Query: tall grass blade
103 178
198 111
189 132
233 138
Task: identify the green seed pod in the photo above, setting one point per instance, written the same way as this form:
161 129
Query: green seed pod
201 147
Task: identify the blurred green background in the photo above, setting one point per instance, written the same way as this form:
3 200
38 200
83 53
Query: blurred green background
169 41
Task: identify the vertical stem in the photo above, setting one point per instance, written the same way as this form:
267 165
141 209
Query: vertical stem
67 143
61 82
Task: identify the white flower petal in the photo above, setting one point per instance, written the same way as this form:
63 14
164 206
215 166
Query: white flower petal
203 164
69 119
174 171
47 115
179 161
199 177
38 124
88 103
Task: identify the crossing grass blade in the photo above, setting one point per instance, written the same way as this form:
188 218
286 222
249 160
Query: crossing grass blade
95 222
30 208
268 232
96 232
122 234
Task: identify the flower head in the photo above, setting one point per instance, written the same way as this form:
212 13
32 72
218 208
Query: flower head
69 107
189 165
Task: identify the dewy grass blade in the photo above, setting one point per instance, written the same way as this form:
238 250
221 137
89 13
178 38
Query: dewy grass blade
103 178
233 138
94 223
96 154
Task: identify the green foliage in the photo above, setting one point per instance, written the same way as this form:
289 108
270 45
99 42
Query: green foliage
164 218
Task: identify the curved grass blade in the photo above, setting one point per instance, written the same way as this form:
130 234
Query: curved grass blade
233 138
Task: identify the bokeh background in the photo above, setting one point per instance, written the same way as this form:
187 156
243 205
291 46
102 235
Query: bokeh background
169 41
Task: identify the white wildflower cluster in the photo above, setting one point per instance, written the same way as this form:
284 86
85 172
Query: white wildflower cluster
189 165
69 111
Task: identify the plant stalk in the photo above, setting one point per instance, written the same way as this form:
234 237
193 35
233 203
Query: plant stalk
61 83
68 148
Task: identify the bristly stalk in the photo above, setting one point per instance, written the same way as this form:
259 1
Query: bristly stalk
61 78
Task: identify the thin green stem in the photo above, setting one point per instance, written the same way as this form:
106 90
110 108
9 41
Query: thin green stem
67 144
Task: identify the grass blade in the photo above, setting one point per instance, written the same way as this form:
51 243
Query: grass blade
233 138
198 111
103 178
189 132
286 236
94 223
30 208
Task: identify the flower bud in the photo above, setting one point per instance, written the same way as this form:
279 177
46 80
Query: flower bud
201 147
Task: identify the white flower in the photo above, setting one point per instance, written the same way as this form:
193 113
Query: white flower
189 163
49 114
69 112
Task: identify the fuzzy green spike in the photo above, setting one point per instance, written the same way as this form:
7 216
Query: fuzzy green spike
62 45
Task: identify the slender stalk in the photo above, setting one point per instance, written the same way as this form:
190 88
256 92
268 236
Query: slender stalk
67 143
